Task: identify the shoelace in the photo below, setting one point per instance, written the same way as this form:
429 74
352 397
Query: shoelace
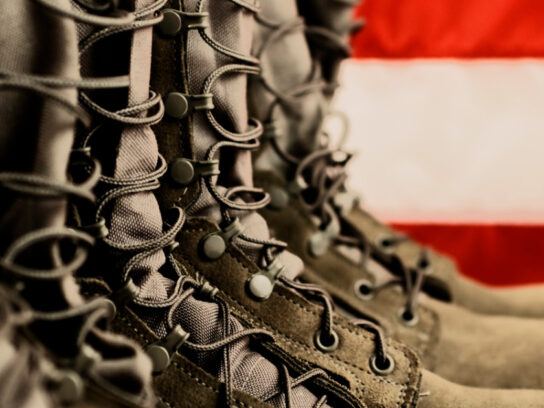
328 178
18 274
288 100
326 338
332 46
184 287
326 169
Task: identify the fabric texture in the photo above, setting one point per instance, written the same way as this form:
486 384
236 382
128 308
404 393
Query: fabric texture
505 29
136 218
233 27
39 45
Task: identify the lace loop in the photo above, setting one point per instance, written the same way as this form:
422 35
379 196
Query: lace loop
121 19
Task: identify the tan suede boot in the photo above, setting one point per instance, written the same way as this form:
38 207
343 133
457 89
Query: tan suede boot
202 355
454 342
445 279
329 23
64 355
201 59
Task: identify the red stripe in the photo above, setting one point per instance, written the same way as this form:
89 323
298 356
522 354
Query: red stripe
496 254
451 28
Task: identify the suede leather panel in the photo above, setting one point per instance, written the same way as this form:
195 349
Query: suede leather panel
437 392
518 301
169 59
488 351
460 345
408 251
98 397
296 334
338 275
183 384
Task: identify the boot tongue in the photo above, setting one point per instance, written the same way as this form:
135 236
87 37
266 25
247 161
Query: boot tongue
251 372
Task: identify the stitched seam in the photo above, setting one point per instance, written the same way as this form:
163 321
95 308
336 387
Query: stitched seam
135 330
177 365
434 334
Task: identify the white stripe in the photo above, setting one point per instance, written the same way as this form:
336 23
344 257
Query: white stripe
447 140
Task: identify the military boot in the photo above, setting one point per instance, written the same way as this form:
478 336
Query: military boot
201 60
202 356
445 280
329 21
63 352
305 176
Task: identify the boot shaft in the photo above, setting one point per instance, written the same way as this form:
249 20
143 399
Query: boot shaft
50 49
200 326
330 23
40 70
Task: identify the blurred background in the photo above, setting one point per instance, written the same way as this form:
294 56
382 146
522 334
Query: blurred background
446 104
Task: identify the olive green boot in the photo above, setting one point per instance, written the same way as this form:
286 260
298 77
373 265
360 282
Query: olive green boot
305 179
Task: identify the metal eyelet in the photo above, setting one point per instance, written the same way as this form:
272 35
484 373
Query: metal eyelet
423 263
364 289
122 297
176 105
171 23
389 366
320 241
385 243
322 345
407 317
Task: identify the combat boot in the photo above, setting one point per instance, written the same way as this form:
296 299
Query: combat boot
305 179
64 354
202 356
445 281
329 23
201 60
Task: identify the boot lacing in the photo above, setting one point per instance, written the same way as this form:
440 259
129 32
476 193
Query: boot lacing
184 287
